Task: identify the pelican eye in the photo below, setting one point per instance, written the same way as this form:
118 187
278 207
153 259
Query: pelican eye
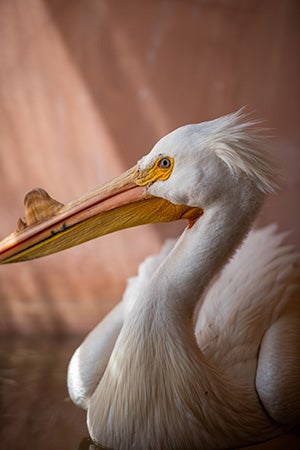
160 171
164 163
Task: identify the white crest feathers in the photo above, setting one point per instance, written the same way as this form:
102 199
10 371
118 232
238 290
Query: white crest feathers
238 141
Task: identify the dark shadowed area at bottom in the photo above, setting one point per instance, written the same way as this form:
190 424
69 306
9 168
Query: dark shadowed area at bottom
36 411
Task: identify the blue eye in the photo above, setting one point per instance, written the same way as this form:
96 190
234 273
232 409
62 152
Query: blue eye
164 163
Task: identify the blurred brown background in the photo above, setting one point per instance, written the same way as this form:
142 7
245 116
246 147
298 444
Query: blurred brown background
87 87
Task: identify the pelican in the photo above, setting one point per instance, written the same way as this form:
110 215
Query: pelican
203 350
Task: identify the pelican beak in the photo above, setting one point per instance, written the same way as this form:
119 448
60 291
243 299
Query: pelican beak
49 226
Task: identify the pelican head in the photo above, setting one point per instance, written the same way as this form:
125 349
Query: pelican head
203 162
185 173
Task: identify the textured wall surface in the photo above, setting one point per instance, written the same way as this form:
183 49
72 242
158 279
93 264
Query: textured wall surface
86 88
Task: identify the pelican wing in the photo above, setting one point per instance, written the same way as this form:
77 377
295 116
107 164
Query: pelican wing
255 290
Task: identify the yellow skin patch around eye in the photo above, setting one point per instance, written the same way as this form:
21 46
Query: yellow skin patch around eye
156 173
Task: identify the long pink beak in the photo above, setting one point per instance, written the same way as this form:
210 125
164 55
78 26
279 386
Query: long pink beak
50 227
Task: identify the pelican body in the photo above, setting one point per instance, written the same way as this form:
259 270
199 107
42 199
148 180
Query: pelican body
203 350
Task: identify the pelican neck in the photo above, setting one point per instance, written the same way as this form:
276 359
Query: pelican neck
199 254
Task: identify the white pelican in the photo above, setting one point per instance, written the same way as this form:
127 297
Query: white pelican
203 351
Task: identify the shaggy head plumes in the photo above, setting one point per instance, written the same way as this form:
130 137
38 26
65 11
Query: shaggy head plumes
238 142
